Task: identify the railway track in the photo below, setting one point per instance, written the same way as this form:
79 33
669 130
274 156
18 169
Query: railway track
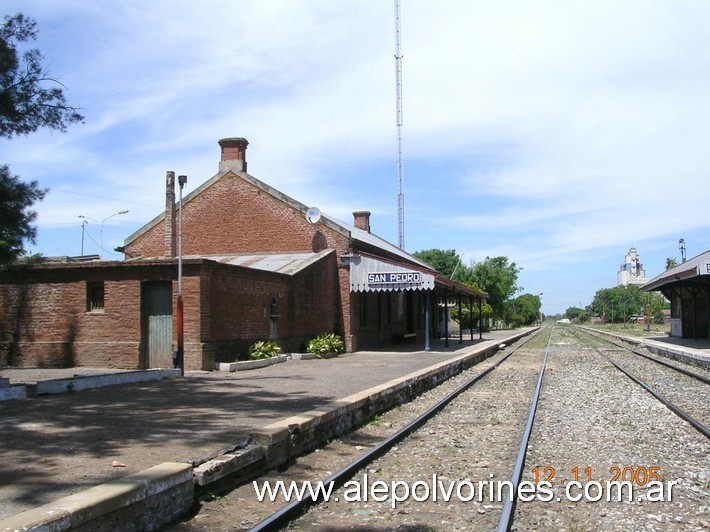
529 375
683 390
597 426
553 415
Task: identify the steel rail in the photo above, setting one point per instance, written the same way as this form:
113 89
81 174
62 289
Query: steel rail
506 519
684 371
700 427
296 508
697 376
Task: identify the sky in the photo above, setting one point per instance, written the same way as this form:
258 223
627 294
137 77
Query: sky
557 134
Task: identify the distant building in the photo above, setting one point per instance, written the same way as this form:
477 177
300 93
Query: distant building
632 272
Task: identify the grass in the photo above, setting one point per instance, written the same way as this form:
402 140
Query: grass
633 329
375 421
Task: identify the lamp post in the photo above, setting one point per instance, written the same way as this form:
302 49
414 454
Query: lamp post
180 358
101 230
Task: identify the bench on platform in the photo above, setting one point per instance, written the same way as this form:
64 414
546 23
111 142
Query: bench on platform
406 337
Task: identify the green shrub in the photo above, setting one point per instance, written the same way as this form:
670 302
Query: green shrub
262 350
326 343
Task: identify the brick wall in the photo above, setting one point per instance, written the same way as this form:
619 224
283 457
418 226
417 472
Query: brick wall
232 216
235 308
315 303
235 216
44 320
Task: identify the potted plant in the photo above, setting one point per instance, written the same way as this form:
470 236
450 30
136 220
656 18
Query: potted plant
261 354
325 345
264 350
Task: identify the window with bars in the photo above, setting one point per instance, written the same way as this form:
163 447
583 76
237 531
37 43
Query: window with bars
94 296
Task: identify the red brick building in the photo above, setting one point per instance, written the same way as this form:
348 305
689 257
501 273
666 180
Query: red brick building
254 268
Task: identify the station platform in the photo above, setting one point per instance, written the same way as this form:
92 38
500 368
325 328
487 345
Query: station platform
56 445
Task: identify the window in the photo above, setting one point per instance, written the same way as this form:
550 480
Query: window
94 296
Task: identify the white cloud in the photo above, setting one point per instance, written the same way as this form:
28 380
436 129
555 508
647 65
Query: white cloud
557 134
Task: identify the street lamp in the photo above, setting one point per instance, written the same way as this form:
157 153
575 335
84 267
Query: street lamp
182 179
101 230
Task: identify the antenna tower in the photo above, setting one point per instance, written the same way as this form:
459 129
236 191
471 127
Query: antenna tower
398 77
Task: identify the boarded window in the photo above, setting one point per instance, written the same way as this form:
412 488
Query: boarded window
94 296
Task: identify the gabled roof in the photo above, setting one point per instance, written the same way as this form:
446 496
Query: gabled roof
685 271
357 236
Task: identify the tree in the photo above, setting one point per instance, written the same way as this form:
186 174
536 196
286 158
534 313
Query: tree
494 276
499 279
671 262
444 262
580 314
26 103
29 99
523 310
16 219
573 312
465 318
619 303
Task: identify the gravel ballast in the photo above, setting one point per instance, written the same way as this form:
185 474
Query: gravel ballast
591 420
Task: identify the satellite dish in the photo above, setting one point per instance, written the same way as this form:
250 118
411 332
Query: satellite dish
312 215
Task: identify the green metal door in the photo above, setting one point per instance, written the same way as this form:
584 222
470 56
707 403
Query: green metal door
158 308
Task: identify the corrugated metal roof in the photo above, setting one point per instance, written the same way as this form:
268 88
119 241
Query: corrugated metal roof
285 263
685 270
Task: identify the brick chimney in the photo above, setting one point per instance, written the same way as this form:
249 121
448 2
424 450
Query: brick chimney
234 152
362 220
170 214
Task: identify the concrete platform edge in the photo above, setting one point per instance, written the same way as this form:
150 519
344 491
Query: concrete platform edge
76 384
144 501
15 391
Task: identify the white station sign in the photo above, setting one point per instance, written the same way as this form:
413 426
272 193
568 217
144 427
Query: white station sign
394 277
704 269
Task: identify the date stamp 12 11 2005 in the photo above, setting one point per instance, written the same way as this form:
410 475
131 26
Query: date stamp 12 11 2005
635 475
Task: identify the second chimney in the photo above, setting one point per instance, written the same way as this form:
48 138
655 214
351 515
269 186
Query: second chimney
362 220
234 154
